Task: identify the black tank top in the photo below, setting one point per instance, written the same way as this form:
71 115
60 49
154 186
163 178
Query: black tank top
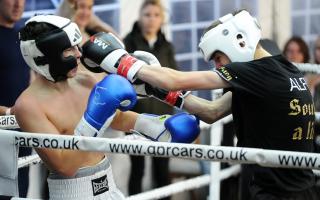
272 109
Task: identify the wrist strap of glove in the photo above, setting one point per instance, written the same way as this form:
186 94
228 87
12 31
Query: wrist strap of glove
176 98
152 127
129 66
173 98
180 101
84 128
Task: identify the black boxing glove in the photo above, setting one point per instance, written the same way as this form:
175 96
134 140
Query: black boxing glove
105 52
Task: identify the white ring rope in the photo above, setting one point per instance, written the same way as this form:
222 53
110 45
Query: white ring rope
263 157
181 186
8 122
173 188
308 67
224 120
35 159
28 160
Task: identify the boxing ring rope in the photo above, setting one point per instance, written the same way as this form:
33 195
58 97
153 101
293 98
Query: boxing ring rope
263 157
8 122
174 188
28 160
218 153
215 171
189 184
35 159
308 67
192 183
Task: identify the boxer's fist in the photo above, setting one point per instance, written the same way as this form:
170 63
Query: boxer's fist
180 128
105 52
112 93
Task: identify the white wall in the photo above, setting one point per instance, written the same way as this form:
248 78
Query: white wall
275 19
129 13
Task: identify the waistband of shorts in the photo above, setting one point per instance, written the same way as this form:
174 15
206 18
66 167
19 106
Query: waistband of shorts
82 188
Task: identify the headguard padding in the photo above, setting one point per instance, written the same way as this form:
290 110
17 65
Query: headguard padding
236 36
44 54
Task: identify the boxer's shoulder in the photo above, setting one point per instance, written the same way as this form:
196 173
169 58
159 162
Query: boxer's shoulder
26 107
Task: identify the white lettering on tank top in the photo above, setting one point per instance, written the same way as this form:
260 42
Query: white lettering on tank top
298 83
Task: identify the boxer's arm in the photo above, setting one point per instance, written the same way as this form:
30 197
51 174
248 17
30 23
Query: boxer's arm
124 121
31 118
181 127
172 80
209 111
112 58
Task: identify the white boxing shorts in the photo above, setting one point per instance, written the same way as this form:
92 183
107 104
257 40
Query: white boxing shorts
90 183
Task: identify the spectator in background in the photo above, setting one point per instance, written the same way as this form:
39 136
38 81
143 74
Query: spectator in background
14 72
146 35
314 79
316 52
316 93
296 50
67 9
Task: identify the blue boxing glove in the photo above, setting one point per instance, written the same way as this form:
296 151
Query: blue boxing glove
179 128
112 93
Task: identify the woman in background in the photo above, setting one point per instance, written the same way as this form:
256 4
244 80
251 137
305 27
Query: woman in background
296 50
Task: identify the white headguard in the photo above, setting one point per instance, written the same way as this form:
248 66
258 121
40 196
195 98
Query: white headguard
44 54
237 36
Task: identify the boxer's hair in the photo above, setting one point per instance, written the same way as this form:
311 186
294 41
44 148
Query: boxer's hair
35 30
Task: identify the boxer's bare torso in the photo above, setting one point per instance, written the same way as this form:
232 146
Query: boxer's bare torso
48 107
